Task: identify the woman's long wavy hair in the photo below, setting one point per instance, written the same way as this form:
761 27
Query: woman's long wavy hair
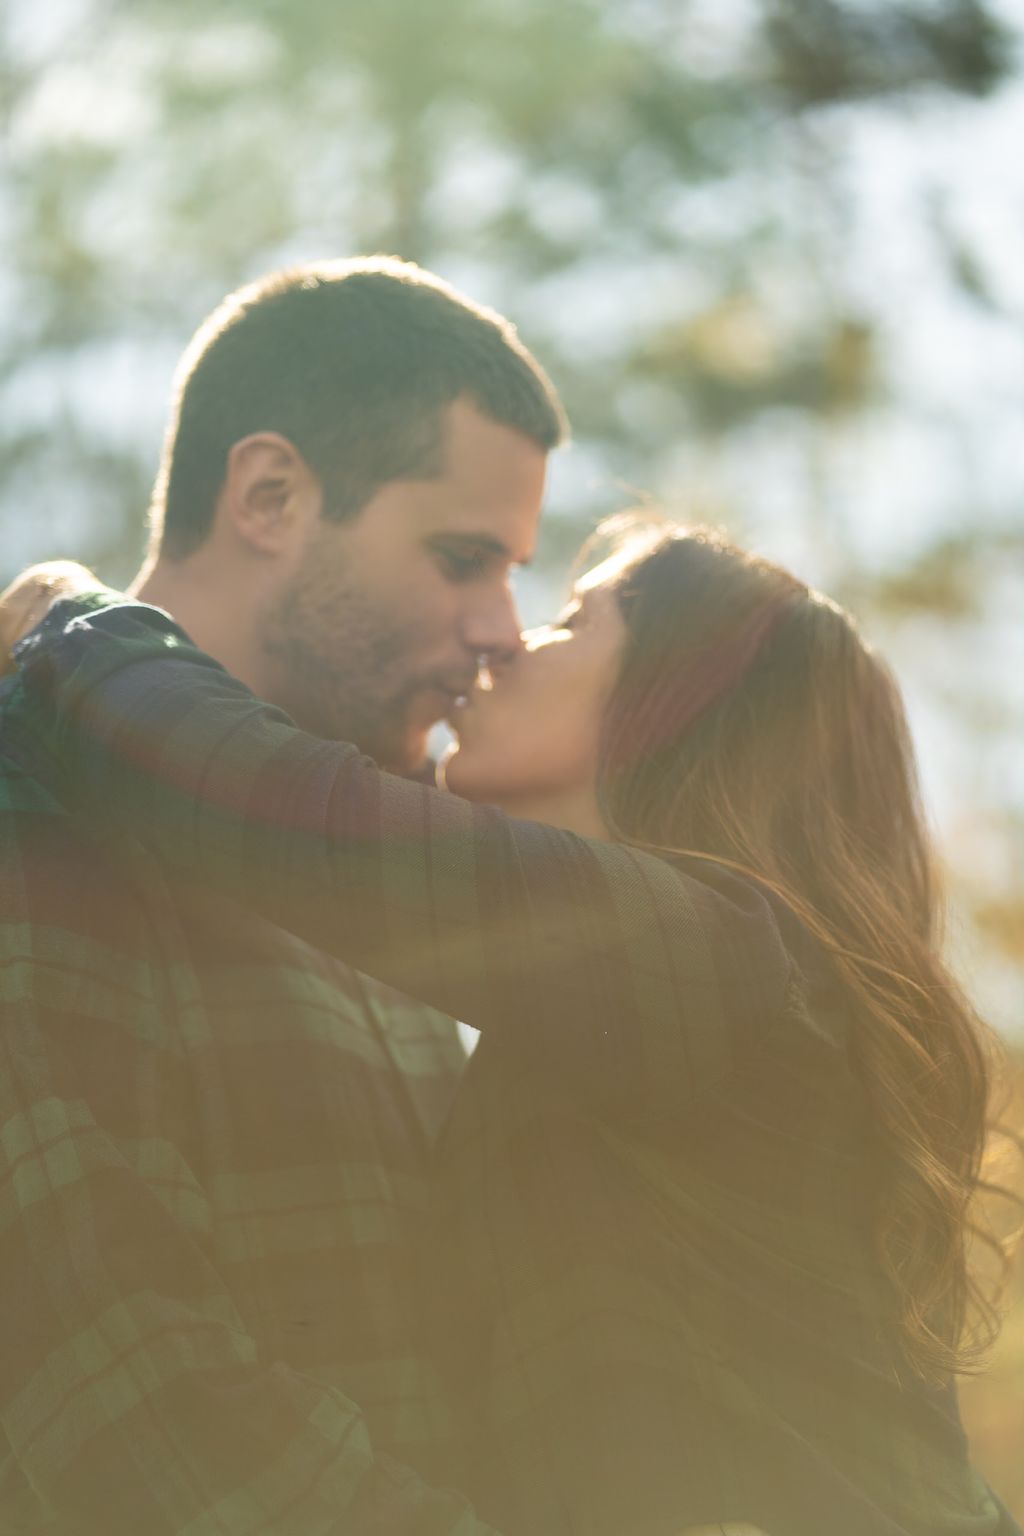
752 724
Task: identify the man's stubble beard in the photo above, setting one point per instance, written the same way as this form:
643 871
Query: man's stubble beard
340 669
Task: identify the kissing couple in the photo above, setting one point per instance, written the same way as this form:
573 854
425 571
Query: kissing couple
684 1247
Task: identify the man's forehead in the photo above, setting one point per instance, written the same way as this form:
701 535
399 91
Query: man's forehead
491 480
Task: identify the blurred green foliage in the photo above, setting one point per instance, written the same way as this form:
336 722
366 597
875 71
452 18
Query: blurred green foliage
569 157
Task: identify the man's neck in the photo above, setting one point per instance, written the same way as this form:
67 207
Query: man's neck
218 619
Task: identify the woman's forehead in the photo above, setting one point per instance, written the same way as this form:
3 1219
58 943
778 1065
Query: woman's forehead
606 574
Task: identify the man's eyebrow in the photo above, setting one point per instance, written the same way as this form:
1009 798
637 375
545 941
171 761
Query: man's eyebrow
485 541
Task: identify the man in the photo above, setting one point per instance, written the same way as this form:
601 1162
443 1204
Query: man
214 1138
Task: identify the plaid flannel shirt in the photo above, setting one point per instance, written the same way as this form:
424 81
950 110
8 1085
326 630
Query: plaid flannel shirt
213 1166
653 1283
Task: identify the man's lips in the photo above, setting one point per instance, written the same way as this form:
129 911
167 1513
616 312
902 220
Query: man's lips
456 711
466 704
444 699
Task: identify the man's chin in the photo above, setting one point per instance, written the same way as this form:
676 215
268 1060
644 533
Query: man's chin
397 746
425 772
426 739
407 756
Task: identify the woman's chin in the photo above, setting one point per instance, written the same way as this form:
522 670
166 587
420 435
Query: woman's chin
460 775
454 774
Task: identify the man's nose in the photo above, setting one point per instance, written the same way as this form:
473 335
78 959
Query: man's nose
491 629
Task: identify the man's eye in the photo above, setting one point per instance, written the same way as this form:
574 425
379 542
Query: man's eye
463 565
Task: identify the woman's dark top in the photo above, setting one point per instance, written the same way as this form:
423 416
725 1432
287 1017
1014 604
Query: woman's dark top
654 1285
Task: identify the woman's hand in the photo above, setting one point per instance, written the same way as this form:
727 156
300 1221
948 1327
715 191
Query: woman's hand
30 597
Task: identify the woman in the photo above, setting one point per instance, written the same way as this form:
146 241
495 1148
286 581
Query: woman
705 1197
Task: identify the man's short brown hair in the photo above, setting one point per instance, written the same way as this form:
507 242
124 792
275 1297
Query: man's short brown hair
352 361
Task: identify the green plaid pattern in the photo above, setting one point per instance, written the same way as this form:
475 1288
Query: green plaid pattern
213 1158
652 1286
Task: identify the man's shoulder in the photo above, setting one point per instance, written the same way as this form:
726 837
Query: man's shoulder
58 875
29 783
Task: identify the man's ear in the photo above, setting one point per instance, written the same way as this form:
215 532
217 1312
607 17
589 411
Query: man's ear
270 496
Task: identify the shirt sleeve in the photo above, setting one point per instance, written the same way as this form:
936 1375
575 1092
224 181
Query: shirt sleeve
637 978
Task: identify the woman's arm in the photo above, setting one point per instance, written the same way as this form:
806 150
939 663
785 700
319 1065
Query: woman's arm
642 981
